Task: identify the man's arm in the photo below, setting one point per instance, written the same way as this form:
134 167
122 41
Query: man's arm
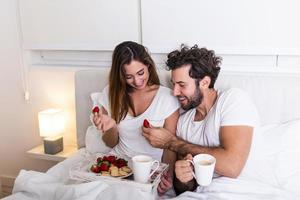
231 155
170 125
168 155
184 180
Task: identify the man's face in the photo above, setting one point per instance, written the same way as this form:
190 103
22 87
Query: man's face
185 89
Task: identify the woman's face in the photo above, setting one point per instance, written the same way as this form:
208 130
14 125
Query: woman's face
136 74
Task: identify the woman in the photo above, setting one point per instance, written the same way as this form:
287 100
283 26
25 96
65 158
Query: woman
134 94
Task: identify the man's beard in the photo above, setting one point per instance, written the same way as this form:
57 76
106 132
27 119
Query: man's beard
194 100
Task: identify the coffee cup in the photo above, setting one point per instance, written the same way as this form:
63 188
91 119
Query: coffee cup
204 165
142 166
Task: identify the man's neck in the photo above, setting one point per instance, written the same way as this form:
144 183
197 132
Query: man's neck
209 99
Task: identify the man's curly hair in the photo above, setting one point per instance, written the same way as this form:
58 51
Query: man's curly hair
203 62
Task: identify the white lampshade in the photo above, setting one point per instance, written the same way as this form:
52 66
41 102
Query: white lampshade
51 122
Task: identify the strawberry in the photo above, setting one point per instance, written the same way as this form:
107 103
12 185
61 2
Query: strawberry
105 162
95 168
146 123
104 167
105 158
99 160
120 162
96 109
111 159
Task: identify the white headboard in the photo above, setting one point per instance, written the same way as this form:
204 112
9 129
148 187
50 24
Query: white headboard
275 95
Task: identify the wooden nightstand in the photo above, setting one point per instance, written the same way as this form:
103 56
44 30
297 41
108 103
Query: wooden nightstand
38 152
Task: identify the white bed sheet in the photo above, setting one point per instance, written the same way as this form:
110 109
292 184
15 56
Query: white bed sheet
55 184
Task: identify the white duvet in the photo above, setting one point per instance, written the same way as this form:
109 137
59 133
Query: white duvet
226 188
281 151
55 184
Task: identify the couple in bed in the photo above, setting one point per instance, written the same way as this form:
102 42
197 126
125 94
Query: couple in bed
220 123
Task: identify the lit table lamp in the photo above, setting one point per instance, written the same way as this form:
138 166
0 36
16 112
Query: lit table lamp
52 126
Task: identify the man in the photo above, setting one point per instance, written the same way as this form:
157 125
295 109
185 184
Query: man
220 123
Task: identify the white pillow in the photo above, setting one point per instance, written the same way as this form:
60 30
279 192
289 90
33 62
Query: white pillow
94 142
93 136
96 98
282 150
101 99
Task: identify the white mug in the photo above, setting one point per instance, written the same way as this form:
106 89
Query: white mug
204 166
142 166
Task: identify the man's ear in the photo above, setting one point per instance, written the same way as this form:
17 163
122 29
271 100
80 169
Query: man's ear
205 82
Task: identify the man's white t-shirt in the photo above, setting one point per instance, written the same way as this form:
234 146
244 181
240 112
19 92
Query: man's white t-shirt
131 140
233 107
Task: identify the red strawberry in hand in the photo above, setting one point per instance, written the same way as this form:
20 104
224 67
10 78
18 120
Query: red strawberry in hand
146 123
96 109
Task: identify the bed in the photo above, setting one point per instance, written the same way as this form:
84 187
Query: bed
276 96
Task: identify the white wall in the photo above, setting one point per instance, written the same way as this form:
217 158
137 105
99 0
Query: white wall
18 118
257 27
79 24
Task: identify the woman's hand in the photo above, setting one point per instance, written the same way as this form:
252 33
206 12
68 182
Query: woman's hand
103 122
166 183
157 136
184 169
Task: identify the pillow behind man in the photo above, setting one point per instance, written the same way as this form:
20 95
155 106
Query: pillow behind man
282 150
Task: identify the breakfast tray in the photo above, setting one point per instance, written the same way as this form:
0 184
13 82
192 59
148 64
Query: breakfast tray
81 172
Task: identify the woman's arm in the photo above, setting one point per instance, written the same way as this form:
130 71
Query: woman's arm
109 128
111 137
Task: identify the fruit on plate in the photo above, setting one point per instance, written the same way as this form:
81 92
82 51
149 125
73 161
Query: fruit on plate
120 163
111 166
95 168
96 109
146 123
104 167
111 159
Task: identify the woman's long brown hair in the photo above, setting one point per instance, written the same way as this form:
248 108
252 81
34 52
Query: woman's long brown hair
119 99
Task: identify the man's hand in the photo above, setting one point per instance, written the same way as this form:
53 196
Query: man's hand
103 122
157 136
184 169
166 183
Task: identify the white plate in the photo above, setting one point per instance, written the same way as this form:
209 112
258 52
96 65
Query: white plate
81 172
89 170
93 159
118 176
